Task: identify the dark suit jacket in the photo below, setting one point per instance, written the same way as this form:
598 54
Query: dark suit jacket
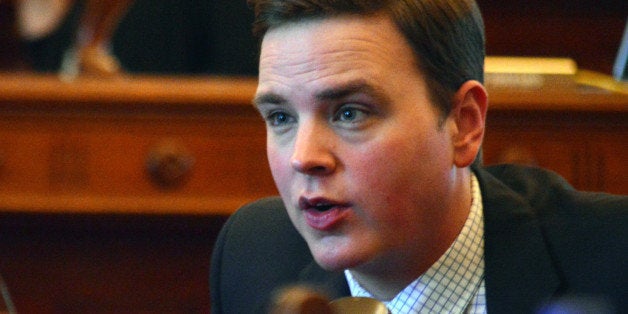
543 240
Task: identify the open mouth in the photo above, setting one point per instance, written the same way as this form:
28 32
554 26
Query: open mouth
317 204
323 214
323 207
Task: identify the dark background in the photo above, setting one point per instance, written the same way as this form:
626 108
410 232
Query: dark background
195 36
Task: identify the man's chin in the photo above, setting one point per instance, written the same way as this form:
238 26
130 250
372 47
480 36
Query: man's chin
337 251
336 261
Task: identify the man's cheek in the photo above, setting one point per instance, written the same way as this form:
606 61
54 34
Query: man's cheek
279 167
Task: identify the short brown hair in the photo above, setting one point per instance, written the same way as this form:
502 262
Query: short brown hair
447 36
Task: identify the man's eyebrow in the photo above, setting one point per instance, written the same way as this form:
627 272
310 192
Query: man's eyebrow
351 88
269 99
329 94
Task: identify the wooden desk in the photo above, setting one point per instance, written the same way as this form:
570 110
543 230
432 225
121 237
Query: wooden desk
130 145
112 192
196 146
88 225
579 131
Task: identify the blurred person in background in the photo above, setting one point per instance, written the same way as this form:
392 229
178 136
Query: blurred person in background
141 36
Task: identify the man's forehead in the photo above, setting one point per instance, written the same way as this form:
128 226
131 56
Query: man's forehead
347 42
319 59
320 33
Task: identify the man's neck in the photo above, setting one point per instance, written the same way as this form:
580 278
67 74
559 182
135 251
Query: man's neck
386 277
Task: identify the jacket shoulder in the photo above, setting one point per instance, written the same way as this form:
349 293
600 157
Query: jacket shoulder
585 233
257 251
549 194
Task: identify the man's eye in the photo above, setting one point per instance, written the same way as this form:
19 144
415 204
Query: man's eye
278 118
350 114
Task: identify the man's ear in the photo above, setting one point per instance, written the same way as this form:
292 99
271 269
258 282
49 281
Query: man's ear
469 115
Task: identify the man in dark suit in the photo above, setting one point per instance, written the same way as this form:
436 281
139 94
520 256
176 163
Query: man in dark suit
375 114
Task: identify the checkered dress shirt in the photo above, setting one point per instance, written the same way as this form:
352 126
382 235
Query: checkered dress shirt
455 283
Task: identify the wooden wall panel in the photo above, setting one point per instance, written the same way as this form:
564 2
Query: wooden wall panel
107 264
588 31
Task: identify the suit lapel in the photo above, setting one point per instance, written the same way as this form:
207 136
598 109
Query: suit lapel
520 275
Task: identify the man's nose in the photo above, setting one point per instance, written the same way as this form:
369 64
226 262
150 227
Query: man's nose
313 151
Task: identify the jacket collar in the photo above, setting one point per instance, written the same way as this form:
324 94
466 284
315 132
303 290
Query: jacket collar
520 274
